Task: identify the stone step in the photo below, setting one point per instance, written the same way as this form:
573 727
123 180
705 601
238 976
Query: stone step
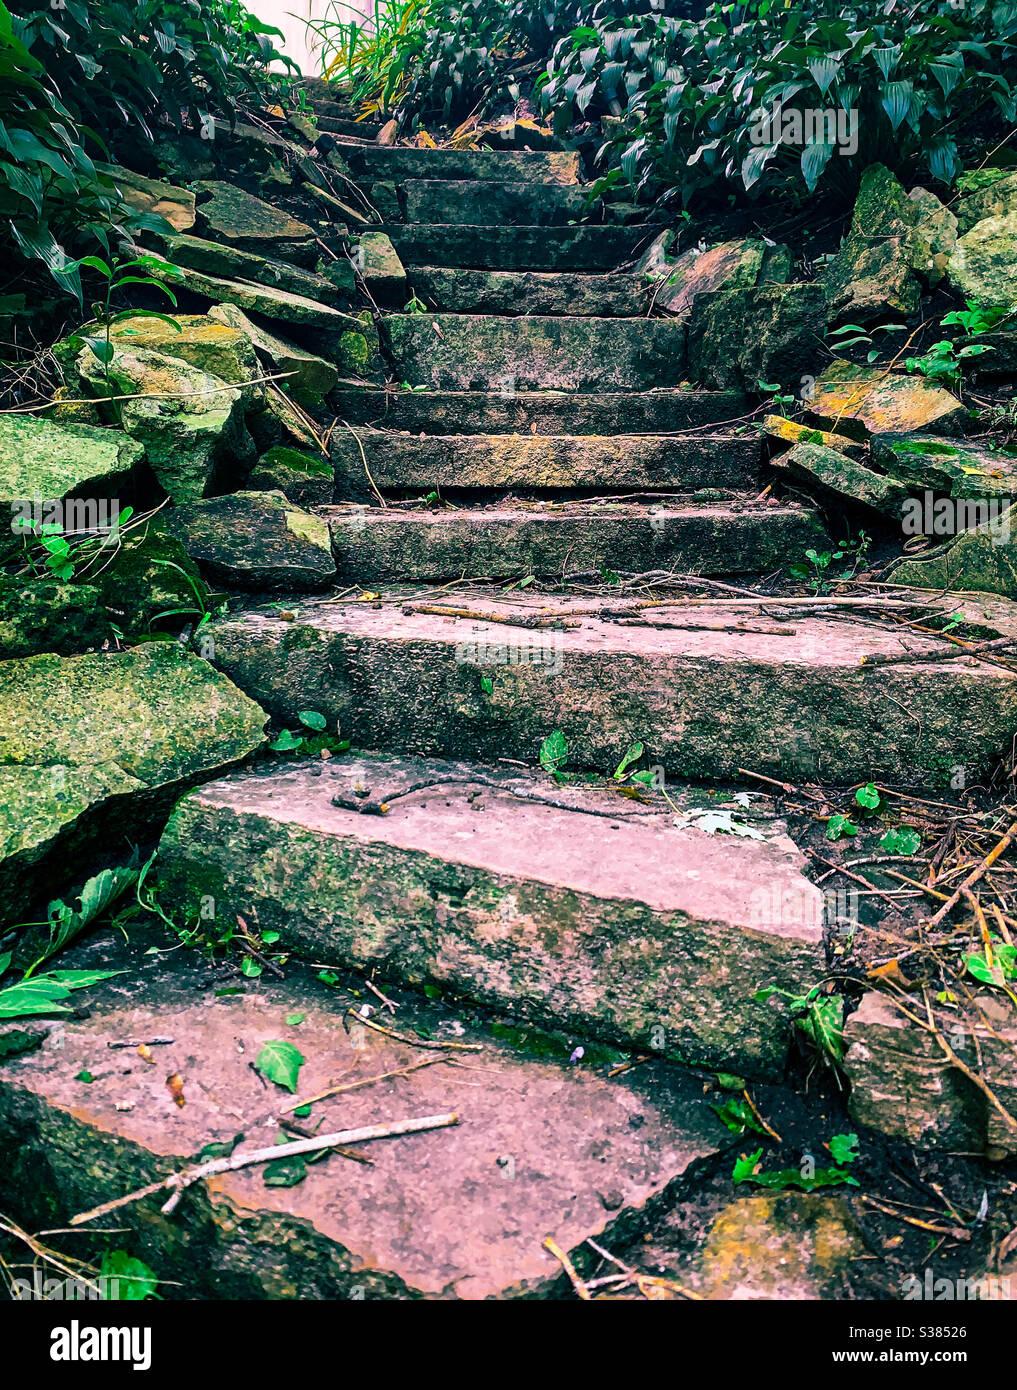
477 352
539 412
515 204
372 544
401 163
540 464
516 248
709 688
514 292
542 1148
499 886
337 124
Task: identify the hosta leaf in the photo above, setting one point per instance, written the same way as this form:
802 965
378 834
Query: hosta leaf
897 101
815 158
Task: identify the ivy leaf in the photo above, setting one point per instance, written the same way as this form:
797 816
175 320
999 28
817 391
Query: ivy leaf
280 1062
844 1148
868 797
837 826
125 1278
285 1172
553 751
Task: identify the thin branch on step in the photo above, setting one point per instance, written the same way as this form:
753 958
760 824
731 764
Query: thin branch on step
367 806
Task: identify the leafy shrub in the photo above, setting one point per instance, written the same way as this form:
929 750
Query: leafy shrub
69 73
916 74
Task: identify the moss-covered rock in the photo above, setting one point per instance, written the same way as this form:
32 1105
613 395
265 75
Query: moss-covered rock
834 473
153 196
875 271
151 582
257 540
211 345
190 423
213 258
955 467
39 458
239 219
987 193
303 478
383 271
307 374
739 338
937 226
863 401
45 615
982 560
95 748
731 265
793 432
984 262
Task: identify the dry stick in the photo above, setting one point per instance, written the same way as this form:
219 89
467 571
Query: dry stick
367 1081
176 1183
973 877
363 456
559 1254
414 1042
856 878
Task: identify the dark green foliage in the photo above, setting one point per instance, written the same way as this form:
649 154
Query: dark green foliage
74 75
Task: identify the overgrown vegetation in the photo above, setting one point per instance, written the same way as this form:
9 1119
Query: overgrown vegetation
68 73
910 81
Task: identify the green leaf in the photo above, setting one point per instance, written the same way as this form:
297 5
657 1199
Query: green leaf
868 797
905 839
293 1019
745 1166
837 826
633 754
286 742
553 751
844 1148
125 1278
311 719
285 1172
280 1062
487 685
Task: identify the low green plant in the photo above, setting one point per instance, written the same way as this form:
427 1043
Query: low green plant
819 1017
311 744
807 1177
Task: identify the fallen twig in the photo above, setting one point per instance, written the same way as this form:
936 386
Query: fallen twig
177 1183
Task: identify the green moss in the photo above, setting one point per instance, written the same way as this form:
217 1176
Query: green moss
917 446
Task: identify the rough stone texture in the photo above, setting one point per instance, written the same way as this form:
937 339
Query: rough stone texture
93 748
903 1085
517 248
401 164
149 576
229 263
257 541
303 478
984 263
678 280
176 205
555 293
210 344
954 466
308 373
981 560
837 474
40 458
862 401
456 352
372 544
241 220
383 271
541 464
995 197
874 272
1001 358
936 225
515 903
190 423
542 1149
44 615
781 1245
792 432
738 338
256 299
707 699
517 204
539 412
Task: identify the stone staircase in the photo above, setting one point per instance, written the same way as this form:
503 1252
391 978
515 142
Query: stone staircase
536 433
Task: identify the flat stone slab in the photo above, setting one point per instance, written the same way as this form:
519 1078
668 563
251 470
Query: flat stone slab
707 698
399 162
39 458
514 204
554 293
153 196
863 401
256 540
239 219
257 299
517 248
542 1149
476 352
371 543
535 463
230 263
656 939
93 748
903 1085
539 412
